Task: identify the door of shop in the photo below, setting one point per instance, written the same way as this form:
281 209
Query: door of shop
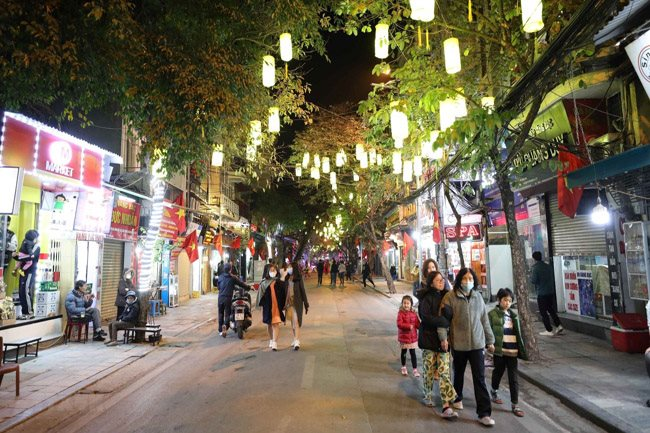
88 265
113 264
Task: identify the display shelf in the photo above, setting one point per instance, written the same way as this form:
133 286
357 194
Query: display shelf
637 257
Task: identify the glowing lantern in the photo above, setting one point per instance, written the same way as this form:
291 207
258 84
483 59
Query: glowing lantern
333 178
340 158
217 157
372 156
268 71
351 196
487 102
314 173
380 159
355 176
381 41
452 55
422 10
447 113
286 51
274 119
461 106
363 162
399 125
531 15
417 166
326 165
437 154
316 161
298 170
407 173
359 150
256 129
251 152
305 160
399 143
397 162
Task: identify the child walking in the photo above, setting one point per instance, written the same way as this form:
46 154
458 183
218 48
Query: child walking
508 347
407 333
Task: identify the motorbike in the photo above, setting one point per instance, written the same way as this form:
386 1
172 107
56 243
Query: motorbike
241 317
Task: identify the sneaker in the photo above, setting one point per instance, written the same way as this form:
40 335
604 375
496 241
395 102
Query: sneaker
416 373
270 343
404 371
494 396
98 337
558 330
517 411
102 333
224 331
546 334
296 345
427 402
448 413
486 421
274 346
457 405
112 343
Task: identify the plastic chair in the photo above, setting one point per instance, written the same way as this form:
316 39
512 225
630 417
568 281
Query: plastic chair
4 368
81 324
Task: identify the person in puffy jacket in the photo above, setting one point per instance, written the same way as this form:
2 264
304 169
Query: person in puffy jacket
78 304
227 283
434 345
408 323
128 318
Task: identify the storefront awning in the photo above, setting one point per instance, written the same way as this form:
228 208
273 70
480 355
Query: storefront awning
633 159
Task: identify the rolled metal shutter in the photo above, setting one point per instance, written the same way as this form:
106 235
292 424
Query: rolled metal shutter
112 267
575 237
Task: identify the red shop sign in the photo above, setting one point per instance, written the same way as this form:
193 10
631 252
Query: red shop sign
466 231
57 156
125 220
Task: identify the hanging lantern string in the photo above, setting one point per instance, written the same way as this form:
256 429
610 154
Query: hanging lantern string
427 38
470 18
286 71
419 36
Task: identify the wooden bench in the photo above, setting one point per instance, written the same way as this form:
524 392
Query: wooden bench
154 330
18 344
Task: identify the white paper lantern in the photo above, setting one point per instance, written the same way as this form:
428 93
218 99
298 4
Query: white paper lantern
397 162
217 158
274 119
407 172
372 156
461 106
351 196
314 173
417 166
399 143
326 165
381 41
399 125
422 10
438 153
447 113
317 161
305 160
358 151
531 15
340 158
333 178
452 55
286 50
487 102
380 159
268 71
355 176
251 152
363 162
298 170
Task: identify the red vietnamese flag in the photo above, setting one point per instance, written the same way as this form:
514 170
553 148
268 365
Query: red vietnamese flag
251 246
386 246
408 243
190 245
436 226
218 243
178 214
568 199
236 244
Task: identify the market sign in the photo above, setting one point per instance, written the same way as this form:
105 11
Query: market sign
639 54
57 156
125 219
467 231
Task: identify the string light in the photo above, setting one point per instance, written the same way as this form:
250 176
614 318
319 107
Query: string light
146 261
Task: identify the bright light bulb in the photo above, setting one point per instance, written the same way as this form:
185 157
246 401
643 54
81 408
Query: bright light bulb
600 214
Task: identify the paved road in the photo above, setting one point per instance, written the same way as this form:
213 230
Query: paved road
345 378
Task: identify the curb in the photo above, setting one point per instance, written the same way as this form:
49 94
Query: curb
578 404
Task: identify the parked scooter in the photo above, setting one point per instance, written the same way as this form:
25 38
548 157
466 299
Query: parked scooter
241 317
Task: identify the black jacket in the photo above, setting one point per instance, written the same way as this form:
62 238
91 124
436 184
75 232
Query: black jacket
266 301
131 312
430 318
226 283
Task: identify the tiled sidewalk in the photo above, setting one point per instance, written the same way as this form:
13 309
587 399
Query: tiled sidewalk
64 369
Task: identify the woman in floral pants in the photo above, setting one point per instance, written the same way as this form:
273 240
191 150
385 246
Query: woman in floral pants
435 353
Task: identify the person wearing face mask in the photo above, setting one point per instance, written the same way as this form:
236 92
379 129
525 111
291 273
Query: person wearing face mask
125 284
469 333
272 297
296 299
226 283
430 265
127 319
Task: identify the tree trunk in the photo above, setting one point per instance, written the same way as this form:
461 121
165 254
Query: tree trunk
302 243
384 266
442 249
459 243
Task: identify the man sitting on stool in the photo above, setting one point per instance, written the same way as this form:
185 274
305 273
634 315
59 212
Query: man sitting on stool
78 304
127 320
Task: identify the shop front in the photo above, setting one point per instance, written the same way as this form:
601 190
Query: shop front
472 247
64 201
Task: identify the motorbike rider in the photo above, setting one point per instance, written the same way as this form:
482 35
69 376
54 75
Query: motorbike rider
226 283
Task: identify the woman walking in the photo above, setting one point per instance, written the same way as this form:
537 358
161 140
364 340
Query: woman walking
470 333
272 297
296 299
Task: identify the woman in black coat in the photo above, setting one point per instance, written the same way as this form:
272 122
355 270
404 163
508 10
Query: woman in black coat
435 353
296 299
125 284
272 299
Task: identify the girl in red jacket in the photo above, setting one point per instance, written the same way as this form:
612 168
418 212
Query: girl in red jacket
408 323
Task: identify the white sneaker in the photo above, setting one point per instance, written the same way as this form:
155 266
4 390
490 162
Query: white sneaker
486 421
274 346
457 405
558 330
296 345
547 334
270 343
